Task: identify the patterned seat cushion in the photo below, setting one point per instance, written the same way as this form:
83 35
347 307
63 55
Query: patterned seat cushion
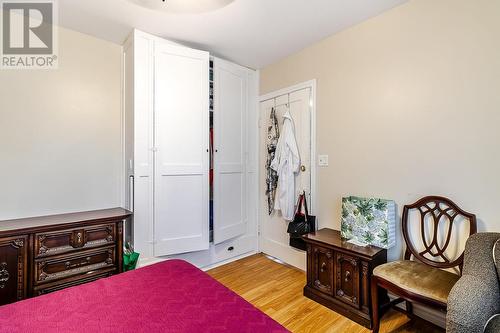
418 278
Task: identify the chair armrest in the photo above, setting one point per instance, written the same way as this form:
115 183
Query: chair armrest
471 303
493 324
478 255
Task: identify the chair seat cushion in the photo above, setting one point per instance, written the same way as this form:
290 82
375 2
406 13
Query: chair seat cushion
418 278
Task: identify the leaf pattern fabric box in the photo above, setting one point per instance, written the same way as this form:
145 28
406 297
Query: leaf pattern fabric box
370 221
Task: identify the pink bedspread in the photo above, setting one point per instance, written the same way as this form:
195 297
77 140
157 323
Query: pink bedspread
171 296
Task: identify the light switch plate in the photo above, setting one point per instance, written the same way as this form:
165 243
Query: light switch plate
323 160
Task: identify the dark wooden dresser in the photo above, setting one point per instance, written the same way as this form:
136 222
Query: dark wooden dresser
43 254
338 274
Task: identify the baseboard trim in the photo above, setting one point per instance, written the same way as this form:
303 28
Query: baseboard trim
150 261
284 252
281 262
224 262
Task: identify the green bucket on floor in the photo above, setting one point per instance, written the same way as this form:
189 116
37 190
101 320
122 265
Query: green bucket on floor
130 261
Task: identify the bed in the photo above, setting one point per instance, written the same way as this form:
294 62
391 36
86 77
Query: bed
172 296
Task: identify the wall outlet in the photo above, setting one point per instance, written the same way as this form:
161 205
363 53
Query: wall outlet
323 160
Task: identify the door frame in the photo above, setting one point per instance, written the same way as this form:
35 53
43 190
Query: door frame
313 205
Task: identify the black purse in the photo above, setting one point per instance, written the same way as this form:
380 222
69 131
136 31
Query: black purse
302 224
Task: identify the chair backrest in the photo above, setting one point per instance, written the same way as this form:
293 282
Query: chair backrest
438 209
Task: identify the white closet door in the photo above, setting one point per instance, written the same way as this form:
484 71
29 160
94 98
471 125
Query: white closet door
274 239
181 200
230 141
140 90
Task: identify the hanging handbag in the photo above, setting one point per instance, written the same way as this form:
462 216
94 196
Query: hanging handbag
302 224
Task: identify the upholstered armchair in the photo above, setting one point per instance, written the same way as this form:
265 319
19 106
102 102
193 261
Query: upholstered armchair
474 301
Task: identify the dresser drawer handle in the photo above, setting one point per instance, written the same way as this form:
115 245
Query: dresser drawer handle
78 239
69 265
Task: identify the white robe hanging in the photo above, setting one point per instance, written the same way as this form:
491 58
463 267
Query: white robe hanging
287 164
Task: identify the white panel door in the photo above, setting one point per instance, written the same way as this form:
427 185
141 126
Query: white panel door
274 237
181 199
140 85
230 143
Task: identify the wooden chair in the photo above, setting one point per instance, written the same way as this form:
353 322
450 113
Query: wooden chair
422 280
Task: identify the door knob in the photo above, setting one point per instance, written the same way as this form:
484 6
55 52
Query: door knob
302 168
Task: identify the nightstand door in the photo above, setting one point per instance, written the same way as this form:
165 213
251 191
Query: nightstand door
322 269
347 279
13 269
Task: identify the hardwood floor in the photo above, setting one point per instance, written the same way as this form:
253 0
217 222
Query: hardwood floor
276 289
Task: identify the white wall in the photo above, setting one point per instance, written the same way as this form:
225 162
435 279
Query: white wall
60 132
408 105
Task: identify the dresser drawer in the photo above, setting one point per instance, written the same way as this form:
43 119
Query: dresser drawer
321 277
71 282
347 279
61 267
70 240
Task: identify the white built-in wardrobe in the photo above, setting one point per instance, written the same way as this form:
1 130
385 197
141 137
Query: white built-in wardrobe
173 97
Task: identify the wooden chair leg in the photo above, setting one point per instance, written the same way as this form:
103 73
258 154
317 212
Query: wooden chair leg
375 306
409 307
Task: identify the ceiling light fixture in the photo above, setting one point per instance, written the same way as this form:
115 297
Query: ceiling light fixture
183 6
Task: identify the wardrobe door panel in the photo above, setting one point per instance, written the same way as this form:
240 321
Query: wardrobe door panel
181 212
230 119
141 83
181 145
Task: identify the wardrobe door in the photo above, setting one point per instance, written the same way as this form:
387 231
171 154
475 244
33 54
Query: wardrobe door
181 193
139 93
230 143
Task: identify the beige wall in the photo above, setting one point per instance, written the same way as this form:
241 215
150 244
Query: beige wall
60 137
408 105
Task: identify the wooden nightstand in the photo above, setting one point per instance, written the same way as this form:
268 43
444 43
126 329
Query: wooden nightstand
339 273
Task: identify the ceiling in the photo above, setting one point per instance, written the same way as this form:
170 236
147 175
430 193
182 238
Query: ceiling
253 33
